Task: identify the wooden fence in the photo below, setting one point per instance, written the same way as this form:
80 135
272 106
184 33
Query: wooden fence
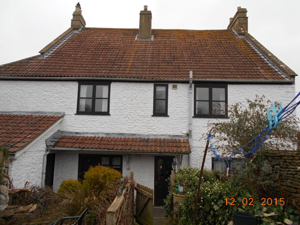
121 211
144 205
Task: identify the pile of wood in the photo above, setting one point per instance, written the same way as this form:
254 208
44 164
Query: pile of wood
17 210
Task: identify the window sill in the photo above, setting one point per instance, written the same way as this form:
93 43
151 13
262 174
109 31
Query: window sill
80 114
160 115
210 117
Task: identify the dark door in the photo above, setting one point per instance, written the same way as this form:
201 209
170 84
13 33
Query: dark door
163 167
50 169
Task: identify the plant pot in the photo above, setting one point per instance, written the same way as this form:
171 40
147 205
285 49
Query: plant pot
177 200
243 218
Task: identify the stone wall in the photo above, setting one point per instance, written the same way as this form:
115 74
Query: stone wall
288 163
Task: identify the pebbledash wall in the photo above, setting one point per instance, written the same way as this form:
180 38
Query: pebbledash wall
131 109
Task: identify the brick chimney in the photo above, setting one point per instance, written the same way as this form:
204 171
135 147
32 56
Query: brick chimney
78 20
239 23
145 24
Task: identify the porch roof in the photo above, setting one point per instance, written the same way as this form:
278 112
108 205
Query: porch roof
121 143
19 129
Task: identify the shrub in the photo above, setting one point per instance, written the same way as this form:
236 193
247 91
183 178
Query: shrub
72 190
98 178
97 191
68 187
213 208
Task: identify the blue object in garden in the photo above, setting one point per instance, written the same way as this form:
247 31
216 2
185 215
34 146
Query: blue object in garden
273 120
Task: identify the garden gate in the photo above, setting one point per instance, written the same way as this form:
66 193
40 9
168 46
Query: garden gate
144 205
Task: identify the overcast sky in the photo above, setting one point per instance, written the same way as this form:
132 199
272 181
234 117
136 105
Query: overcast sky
29 25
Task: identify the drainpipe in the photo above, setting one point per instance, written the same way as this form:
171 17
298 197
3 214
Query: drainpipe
190 120
44 168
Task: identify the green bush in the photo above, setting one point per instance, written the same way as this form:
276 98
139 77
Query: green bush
216 201
97 191
98 178
68 187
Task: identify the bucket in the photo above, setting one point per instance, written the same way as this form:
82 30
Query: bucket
177 200
243 218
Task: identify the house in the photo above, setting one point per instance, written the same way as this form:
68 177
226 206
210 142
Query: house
132 99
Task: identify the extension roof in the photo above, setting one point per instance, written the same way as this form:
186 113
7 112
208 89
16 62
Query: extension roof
121 143
17 131
98 53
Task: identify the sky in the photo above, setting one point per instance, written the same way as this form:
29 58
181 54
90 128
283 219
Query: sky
27 26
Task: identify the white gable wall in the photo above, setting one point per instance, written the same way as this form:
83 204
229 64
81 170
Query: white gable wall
28 166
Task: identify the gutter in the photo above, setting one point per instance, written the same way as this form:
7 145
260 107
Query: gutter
58 149
287 81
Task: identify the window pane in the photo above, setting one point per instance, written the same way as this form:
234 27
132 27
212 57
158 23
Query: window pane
218 108
160 106
105 161
202 108
85 105
202 94
160 92
219 166
116 161
86 91
101 105
102 91
218 94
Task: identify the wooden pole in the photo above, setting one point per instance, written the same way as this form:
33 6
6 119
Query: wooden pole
200 177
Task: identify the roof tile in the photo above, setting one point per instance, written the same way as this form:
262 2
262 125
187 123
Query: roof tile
17 131
126 144
114 53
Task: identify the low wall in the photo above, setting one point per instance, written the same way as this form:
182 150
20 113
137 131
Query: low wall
288 164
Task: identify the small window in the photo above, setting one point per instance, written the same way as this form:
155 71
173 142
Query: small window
93 98
210 101
160 104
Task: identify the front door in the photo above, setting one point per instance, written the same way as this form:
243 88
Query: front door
163 167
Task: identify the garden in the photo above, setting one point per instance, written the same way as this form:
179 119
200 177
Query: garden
96 192
254 187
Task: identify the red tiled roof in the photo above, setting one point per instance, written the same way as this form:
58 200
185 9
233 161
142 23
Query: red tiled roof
153 145
114 53
17 131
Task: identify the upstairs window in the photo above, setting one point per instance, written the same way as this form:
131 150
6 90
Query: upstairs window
93 99
160 104
210 101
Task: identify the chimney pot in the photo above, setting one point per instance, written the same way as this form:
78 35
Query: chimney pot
239 23
78 20
145 31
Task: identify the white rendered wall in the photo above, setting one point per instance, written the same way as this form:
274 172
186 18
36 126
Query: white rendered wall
131 109
28 166
143 168
131 106
236 93
66 167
